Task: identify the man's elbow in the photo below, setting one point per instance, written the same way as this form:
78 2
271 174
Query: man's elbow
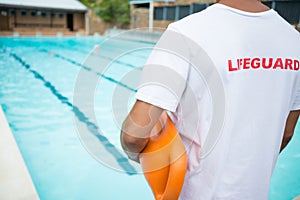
128 140
133 144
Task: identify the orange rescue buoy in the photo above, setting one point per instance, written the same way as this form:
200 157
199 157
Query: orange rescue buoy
164 161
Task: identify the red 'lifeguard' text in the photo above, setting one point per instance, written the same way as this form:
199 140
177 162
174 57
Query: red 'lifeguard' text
263 63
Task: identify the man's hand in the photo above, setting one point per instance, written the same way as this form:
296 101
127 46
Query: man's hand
137 127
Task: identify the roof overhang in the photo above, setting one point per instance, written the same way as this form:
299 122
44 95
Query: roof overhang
148 1
70 5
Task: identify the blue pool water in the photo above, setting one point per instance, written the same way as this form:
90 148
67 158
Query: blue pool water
37 78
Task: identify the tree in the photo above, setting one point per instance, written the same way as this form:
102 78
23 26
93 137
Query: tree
90 3
115 11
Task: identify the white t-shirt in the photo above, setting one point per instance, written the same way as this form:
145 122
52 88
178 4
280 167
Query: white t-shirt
230 79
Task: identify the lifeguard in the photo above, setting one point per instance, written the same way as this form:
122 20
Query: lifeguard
263 63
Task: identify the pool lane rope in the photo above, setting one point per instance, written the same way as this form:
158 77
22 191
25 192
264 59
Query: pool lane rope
93 128
80 51
90 70
76 63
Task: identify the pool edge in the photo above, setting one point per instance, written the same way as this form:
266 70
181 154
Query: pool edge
15 181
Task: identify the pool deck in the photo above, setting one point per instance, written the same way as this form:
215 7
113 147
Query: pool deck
15 181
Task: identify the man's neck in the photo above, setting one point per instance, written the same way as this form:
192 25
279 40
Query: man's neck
245 5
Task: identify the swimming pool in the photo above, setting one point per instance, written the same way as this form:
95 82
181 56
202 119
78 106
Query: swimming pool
37 78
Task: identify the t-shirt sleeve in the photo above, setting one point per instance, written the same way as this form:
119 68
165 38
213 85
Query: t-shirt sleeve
296 102
165 73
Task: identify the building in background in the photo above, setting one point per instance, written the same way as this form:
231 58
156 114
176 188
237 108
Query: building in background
160 13
45 17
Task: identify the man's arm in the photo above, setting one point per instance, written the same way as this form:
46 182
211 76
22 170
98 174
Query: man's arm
289 128
137 127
